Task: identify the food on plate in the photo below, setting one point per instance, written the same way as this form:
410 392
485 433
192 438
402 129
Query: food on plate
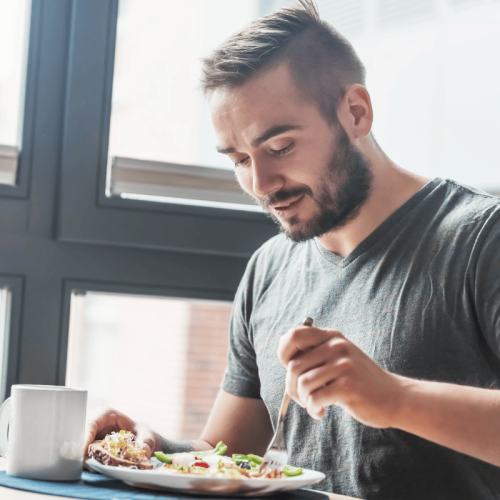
213 463
119 449
255 462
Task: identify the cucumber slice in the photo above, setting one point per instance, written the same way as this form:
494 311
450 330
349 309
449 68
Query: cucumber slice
292 471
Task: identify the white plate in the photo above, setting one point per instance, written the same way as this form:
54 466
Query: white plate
191 484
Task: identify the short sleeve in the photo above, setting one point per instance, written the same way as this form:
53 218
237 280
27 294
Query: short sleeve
487 283
241 376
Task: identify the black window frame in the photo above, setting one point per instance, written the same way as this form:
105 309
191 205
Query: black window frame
55 230
84 286
21 188
14 285
116 220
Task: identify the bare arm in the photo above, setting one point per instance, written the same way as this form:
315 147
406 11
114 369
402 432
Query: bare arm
458 417
241 423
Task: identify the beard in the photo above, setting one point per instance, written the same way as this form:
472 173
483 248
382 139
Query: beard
344 188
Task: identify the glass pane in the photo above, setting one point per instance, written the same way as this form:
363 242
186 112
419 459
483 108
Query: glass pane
14 29
158 112
159 360
4 335
434 86
415 53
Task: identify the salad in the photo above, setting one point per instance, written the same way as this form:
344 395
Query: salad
120 449
213 463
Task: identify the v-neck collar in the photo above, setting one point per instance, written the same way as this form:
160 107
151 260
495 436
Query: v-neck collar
382 229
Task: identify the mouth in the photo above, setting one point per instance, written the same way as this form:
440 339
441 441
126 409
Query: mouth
287 208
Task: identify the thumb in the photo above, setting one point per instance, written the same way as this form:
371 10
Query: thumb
146 440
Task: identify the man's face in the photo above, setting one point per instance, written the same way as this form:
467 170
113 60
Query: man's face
301 169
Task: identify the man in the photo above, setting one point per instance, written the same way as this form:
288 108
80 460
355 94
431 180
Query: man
393 387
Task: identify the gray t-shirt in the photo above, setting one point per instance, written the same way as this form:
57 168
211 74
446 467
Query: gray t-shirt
421 297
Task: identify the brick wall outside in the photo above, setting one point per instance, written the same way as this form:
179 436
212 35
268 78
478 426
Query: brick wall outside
208 338
158 360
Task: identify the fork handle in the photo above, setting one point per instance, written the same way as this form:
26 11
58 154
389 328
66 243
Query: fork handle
307 322
284 407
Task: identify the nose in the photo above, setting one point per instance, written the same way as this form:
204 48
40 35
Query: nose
266 178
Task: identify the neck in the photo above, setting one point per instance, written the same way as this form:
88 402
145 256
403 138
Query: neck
392 186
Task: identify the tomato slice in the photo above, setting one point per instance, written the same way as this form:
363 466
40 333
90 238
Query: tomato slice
201 463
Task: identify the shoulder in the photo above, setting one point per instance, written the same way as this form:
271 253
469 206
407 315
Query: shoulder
465 221
468 203
463 210
276 256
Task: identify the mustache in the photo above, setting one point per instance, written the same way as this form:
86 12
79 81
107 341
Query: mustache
285 195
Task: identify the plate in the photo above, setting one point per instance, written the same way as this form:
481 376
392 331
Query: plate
191 484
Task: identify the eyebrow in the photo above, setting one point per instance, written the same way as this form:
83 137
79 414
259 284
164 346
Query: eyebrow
268 134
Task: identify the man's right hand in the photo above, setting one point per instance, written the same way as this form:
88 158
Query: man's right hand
106 420
243 424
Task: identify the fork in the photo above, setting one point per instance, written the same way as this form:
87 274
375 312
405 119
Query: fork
276 456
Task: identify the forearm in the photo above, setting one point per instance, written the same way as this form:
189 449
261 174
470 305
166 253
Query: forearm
168 446
465 419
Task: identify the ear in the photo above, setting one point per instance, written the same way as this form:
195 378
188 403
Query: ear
355 112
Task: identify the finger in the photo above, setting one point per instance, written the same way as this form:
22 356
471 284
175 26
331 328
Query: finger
89 438
316 379
103 422
300 339
91 429
301 364
314 405
327 395
145 439
325 354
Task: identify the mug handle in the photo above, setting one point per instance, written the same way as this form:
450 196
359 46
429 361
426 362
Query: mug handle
4 426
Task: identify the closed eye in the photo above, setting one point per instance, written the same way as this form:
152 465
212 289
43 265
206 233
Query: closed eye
241 162
284 151
274 152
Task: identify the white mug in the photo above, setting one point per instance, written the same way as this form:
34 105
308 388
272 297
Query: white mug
42 431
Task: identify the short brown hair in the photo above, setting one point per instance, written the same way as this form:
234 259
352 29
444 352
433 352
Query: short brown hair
322 62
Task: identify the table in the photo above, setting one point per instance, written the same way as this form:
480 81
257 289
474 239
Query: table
11 494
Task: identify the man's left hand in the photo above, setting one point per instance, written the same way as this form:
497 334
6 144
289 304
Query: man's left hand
324 368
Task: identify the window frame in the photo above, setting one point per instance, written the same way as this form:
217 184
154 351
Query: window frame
61 149
21 188
86 214
9 375
71 286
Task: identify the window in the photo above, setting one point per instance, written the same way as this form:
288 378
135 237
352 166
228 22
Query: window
4 335
433 81
14 24
161 133
157 359
137 247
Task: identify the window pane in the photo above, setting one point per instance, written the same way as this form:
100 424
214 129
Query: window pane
415 53
14 29
4 336
159 360
433 82
158 112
